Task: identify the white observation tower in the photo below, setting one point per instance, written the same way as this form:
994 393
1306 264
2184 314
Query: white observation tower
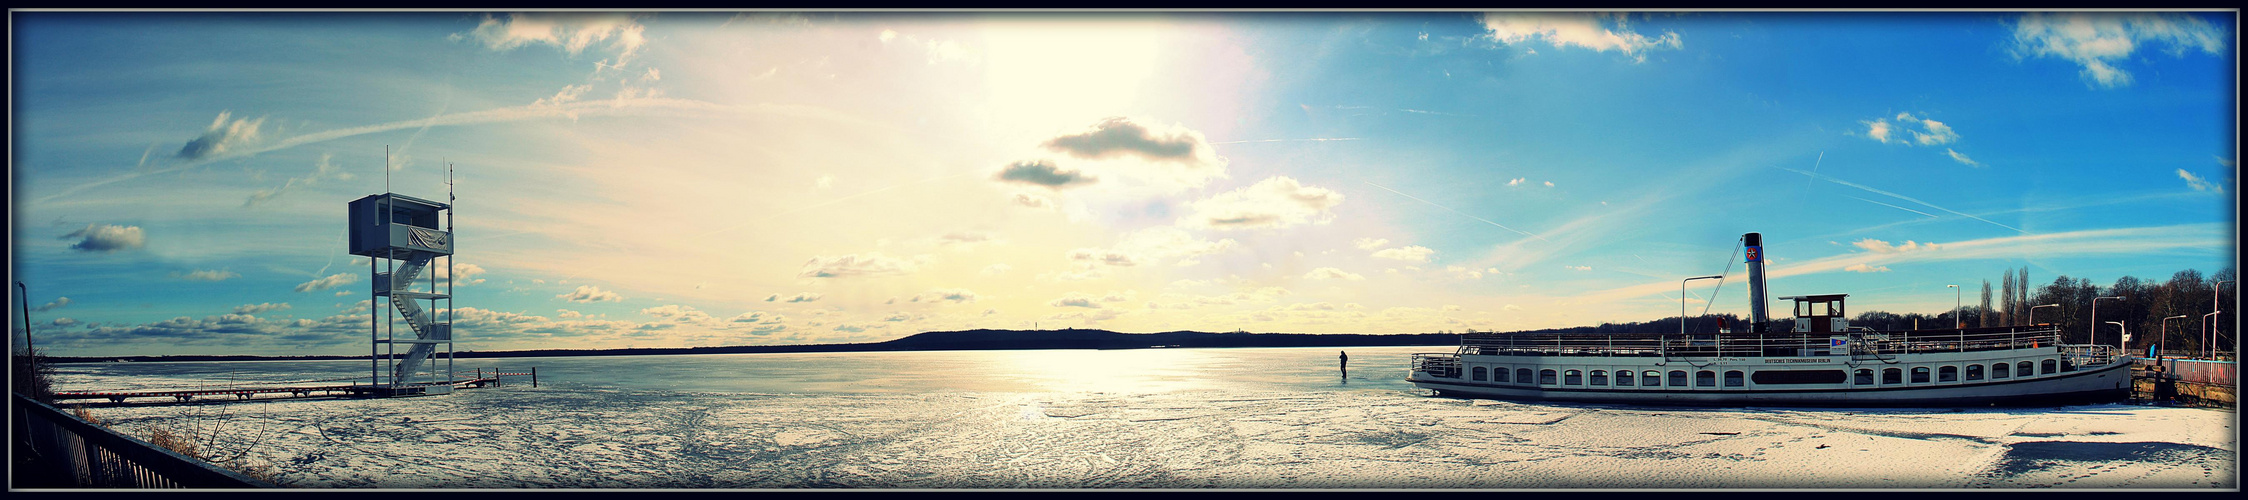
401 236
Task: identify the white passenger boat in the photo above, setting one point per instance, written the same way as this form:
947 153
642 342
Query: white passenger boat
1823 361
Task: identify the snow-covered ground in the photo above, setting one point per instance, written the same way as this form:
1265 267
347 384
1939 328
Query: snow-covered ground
521 437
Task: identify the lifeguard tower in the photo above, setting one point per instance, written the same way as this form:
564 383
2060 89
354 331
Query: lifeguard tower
402 235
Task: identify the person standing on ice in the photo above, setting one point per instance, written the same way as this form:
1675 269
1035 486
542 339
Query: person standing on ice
1345 364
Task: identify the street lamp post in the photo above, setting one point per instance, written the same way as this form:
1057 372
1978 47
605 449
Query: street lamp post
2166 329
2092 331
1956 303
2209 333
2124 338
1682 300
25 294
2210 343
2033 313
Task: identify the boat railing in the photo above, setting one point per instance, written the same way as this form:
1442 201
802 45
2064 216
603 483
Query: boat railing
1437 364
1670 345
2075 356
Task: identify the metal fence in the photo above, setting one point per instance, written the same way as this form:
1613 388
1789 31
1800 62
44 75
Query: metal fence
2199 371
56 450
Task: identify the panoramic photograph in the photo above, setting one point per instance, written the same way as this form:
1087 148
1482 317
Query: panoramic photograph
1124 250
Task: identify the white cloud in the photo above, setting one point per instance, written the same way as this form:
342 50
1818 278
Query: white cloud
1075 299
1962 158
1549 183
460 273
207 275
1863 268
1329 273
1929 133
58 303
1517 181
1878 130
1172 154
824 182
800 297
1878 246
1043 173
1033 201
573 32
1414 253
1369 243
996 269
682 314
964 237
331 281
868 264
953 295
1149 245
590 293
2199 184
2099 40
1464 272
222 136
322 170
567 94
1577 268
566 313
107 238
1589 30
1275 202
260 308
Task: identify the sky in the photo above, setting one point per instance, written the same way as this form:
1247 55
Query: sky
672 179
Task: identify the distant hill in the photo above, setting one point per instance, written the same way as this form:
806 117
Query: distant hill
966 340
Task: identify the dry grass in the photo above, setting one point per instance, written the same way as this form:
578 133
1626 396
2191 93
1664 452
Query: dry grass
214 438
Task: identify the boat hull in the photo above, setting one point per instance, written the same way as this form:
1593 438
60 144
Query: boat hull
2090 385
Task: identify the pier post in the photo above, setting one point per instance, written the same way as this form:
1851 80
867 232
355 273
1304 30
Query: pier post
534 377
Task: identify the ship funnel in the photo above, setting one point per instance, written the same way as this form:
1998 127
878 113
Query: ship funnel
1754 242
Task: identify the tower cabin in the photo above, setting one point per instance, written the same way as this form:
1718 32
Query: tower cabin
389 225
1820 313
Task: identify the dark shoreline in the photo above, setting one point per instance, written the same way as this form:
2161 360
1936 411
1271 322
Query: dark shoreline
970 340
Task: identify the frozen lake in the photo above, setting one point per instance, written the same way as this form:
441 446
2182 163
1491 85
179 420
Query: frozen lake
1150 418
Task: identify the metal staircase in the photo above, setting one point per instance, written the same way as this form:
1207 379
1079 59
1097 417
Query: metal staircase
398 285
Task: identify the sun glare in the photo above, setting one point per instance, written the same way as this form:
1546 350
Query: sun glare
1048 73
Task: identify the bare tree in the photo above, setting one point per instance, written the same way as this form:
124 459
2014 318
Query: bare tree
1982 315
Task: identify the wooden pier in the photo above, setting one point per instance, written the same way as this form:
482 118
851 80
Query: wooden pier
480 379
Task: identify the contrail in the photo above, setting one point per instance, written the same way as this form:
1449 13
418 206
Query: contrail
1291 140
1485 221
1890 206
1901 197
569 110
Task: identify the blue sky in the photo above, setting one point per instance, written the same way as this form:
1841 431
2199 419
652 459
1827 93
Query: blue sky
696 178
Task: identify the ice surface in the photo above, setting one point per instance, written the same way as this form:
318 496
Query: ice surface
1371 434
536 438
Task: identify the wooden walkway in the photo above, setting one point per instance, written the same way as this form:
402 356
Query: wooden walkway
299 391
